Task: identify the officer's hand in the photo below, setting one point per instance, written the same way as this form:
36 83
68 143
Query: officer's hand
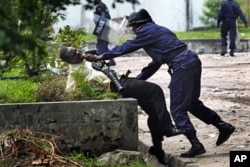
246 25
90 57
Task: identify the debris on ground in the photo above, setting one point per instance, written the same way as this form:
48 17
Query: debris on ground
23 148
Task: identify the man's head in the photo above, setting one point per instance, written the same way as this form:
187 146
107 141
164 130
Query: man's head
96 1
71 55
136 19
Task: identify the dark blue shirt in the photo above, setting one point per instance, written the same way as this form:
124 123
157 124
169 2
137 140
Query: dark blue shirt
157 41
230 10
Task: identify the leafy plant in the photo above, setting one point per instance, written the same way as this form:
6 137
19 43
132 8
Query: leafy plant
74 38
210 12
89 91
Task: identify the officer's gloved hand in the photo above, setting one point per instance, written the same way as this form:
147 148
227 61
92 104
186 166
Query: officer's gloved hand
91 57
246 25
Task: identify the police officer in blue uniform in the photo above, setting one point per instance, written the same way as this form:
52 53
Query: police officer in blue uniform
228 13
101 44
162 45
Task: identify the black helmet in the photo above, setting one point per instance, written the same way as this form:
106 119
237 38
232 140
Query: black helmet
137 18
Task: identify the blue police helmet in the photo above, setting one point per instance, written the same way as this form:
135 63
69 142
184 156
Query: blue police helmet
140 17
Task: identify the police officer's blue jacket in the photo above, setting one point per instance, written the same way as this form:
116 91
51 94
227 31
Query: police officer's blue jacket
157 41
230 10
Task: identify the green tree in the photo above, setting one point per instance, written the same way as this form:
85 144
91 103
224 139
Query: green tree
210 12
24 26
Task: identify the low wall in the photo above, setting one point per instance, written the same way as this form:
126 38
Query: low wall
88 126
213 46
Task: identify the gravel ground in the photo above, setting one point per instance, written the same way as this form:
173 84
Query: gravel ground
225 89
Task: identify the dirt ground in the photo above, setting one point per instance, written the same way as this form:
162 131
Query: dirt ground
225 89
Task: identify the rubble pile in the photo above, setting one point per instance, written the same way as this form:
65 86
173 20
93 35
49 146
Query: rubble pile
22 148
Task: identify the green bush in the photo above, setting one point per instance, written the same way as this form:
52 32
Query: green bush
88 91
53 90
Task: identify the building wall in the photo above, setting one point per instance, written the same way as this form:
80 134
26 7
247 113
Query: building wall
178 15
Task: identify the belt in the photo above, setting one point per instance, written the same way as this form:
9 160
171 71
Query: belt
229 18
173 53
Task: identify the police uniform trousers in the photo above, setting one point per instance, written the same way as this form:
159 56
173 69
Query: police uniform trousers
228 26
151 99
103 42
185 88
101 46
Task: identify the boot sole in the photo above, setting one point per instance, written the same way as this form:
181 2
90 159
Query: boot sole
193 155
176 134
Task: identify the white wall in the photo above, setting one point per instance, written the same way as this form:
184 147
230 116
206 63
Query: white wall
169 13
197 7
73 15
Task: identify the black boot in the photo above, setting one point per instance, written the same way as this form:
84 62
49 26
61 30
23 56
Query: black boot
232 52
225 131
159 154
174 132
196 149
223 50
